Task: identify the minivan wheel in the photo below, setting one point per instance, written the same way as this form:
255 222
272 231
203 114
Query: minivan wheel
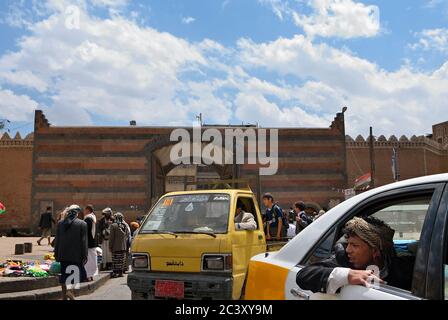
138 296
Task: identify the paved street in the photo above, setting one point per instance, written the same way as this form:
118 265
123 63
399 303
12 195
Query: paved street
7 245
114 289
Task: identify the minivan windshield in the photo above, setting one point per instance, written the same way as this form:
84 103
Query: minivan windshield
189 213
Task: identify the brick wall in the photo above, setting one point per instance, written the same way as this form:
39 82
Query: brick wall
114 166
417 156
440 132
110 167
15 187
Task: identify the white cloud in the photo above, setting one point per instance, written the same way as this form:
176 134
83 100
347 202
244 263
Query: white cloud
432 39
269 114
110 3
340 18
111 68
16 107
25 13
23 78
188 20
403 101
203 99
279 7
330 18
115 69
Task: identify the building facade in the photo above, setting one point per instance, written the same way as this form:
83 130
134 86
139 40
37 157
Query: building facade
127 168
16 158
440 133
415 156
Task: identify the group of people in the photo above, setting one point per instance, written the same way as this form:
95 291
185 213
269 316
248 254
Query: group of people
278 224
80 237
115 236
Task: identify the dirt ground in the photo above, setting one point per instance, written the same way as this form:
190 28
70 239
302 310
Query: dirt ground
7 246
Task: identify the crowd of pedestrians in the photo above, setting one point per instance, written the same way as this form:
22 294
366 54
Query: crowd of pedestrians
85 245
282 225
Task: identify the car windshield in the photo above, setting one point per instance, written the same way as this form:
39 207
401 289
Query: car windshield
189 213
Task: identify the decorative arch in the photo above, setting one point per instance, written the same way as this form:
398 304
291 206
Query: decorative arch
157 154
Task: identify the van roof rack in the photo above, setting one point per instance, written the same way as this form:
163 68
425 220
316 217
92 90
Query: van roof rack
223 184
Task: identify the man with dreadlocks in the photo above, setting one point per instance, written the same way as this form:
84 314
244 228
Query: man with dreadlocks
118 243
369 243
70 249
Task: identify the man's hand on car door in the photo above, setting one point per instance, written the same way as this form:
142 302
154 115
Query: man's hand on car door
362 277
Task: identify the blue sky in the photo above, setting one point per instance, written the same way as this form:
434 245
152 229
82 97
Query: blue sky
272 62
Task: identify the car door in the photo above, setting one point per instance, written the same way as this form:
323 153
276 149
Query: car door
436 282
412 212
246 243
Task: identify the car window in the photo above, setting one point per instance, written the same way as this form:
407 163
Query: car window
405 216
249 206
325 249
189 213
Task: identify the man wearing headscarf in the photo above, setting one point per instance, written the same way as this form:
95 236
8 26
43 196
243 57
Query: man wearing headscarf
369 243
70 249
103 230
134 228
118 244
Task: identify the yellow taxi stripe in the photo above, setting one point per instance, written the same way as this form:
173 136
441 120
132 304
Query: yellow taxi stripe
265 281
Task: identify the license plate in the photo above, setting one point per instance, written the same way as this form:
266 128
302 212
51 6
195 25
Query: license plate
169 289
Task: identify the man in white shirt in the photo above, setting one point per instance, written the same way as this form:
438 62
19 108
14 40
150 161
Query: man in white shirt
244 220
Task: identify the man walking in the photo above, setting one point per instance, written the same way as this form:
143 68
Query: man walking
92 259
70 249
45 224
103 237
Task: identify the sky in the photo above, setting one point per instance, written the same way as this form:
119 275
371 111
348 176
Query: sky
275 63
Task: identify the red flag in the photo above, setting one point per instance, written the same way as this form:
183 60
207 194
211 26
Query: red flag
363 181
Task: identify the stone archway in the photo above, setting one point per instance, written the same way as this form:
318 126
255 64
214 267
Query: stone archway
159 165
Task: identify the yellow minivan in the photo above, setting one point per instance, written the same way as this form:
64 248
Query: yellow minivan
188 247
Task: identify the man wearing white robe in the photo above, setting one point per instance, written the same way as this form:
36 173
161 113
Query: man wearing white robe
92 260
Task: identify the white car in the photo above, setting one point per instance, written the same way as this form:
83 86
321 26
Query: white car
418 211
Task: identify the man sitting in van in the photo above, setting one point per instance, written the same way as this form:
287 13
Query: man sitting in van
244 220
369 242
